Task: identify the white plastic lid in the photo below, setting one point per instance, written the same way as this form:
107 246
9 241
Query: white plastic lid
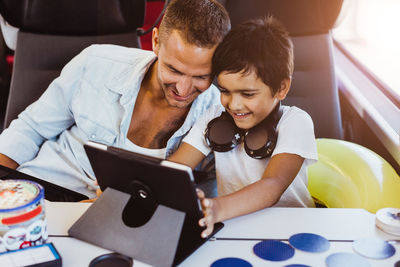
17 193
388 220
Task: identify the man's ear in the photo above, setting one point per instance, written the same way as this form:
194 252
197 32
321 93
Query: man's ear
284 90
155 40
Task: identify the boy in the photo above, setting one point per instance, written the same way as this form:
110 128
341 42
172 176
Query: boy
261 149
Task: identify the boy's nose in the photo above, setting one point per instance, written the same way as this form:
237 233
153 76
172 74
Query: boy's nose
235 103
184 86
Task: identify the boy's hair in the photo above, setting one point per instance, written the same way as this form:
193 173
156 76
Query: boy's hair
203 23
261 45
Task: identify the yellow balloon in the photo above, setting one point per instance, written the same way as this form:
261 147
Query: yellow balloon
348 175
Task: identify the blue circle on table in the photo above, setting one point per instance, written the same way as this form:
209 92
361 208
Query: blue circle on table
345 259
297 265
309 242
234 262
373 248
273 250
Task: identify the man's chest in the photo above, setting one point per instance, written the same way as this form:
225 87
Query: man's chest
153 128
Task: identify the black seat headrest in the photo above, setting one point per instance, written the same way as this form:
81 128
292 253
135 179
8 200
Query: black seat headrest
301 17
74 17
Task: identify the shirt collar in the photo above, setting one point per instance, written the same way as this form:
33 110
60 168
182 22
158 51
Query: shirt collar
132 74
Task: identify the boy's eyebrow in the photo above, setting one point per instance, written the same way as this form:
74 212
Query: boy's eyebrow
239 90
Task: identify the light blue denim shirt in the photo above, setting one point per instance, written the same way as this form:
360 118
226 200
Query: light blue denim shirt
92 99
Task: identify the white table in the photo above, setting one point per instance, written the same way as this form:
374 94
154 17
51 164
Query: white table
237 238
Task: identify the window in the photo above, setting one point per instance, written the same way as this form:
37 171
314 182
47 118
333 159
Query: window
369 31
367 59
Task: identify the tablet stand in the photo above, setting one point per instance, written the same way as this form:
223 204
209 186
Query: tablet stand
153 243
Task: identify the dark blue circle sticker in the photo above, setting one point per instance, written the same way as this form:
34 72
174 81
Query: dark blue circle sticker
309 242
273 250
373 248
345 259
234 262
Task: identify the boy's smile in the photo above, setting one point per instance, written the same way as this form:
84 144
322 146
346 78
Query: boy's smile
247 98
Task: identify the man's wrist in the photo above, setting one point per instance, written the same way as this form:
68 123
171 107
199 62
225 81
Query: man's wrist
8 162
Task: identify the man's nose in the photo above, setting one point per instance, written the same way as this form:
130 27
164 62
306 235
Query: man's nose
184 85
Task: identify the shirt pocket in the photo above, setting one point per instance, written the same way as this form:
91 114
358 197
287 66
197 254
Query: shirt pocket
93 131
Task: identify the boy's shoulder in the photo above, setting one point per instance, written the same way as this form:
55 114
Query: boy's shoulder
293 111
296 116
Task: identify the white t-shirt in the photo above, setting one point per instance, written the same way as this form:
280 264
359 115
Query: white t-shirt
157 153
235 169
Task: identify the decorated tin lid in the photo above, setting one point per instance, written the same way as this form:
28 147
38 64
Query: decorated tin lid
17 194
388 220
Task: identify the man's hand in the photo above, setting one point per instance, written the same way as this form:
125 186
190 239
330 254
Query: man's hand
209 207
8 162
98 193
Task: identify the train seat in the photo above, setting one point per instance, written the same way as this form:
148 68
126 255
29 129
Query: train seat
52 32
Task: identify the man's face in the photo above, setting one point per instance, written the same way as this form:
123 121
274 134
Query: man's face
183 70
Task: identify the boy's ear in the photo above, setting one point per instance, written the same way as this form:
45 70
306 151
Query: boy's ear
155 40
284 90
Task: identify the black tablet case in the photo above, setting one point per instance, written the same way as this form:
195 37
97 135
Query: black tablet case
172 232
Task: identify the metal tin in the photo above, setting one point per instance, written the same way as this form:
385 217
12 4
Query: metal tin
22 214
388 220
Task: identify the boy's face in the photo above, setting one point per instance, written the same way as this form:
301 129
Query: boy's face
247 98
183 70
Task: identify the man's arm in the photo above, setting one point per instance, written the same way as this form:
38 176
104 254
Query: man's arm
44 119
6 161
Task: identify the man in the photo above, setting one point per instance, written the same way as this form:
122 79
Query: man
125 97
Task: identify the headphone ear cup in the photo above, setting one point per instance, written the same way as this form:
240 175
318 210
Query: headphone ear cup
257 137
222 134
260 141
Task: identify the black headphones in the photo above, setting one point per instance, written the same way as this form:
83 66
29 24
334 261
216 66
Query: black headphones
223 135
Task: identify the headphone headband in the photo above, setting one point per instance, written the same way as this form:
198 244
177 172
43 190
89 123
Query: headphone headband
223 135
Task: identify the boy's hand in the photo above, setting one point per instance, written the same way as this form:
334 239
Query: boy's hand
209 211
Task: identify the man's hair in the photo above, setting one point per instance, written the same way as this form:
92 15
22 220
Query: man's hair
261 45
200 22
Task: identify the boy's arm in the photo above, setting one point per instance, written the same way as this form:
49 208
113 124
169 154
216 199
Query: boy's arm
281 170
6 161
279 174
187 155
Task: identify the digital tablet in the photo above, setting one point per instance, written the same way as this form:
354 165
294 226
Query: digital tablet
151 181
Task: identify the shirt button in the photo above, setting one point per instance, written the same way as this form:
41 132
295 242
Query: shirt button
93 136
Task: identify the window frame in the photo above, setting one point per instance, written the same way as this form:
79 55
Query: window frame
374 102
